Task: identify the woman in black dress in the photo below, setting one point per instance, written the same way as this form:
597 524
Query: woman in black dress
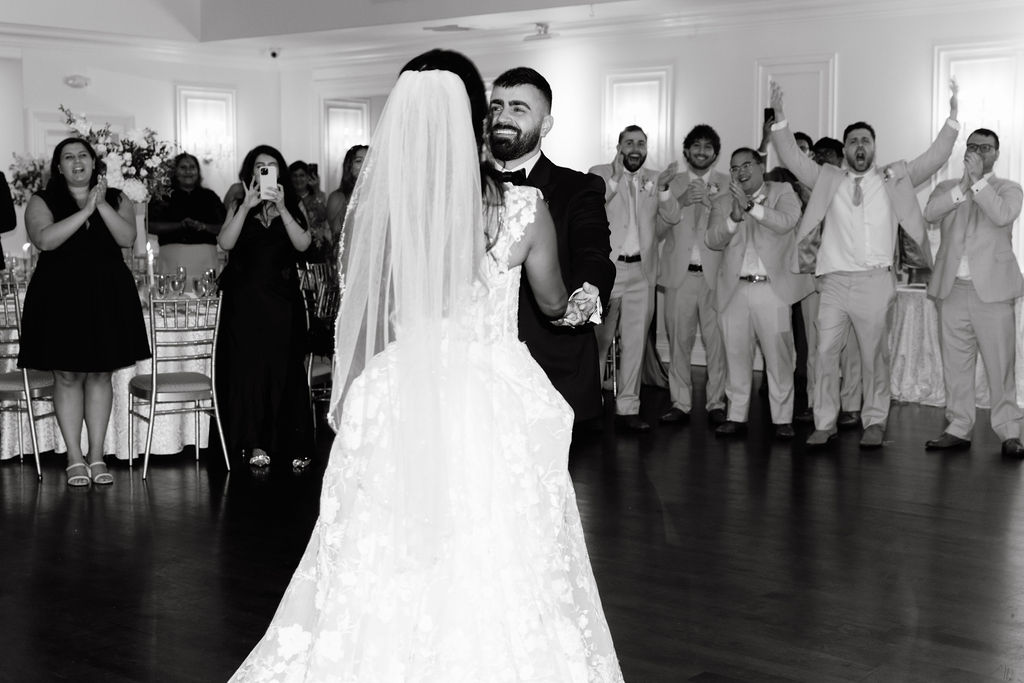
82 317
261 381
187 221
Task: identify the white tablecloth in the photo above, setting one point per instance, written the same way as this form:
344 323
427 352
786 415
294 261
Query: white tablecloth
916 357
171 432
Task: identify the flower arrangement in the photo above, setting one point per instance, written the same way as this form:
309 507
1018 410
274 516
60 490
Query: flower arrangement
137 163
28 176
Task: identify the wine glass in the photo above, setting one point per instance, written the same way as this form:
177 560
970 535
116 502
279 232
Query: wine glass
178 280
161 285
199 286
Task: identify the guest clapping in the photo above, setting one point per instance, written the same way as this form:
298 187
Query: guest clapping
82 316
188 220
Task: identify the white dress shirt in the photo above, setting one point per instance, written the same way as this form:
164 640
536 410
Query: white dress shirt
858 237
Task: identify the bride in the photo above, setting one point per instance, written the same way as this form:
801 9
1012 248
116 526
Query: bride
449 546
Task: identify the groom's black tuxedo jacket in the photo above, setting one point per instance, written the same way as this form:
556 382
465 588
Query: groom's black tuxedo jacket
569 355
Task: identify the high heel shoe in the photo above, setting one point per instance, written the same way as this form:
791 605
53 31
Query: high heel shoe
259 458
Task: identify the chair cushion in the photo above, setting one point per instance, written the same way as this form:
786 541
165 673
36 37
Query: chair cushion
182 385
40 383
320 372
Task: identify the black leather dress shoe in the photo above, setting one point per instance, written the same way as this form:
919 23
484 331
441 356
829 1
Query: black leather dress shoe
947 442
635 423
848 419
674 415
1013 448
805 416
784 432
716 416
730 428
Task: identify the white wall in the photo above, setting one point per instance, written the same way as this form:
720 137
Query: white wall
885 75
131 81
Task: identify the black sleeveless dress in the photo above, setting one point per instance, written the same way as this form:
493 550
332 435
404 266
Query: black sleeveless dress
82 310
261 379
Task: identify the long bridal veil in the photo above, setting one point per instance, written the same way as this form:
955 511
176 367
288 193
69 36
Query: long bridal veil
417 236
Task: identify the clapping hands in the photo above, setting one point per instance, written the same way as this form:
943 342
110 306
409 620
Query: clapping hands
666 176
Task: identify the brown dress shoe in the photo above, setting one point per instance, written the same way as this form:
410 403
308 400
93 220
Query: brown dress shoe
1013 448
946 442
674 415
805 416
872 437
635 423
716 416
730 428
848 419
820 438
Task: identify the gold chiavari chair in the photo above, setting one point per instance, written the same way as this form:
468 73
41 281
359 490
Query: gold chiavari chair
321 357
19 388
182 330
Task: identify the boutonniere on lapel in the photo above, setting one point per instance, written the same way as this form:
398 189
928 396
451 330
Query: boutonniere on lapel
713 189
647 186
888 174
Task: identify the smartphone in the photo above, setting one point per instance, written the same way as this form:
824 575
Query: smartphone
314 169
769 114
268 180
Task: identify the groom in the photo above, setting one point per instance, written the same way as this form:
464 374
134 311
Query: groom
520 118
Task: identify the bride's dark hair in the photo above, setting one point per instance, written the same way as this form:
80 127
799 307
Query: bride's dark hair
460 65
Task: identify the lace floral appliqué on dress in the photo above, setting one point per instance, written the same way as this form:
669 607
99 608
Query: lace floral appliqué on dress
502 589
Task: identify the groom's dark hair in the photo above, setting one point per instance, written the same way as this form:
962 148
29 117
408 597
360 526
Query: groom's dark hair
524 75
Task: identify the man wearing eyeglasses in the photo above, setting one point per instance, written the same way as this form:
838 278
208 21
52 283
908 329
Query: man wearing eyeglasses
857 220
975 280
753 226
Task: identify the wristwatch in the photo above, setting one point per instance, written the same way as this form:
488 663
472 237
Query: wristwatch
749 206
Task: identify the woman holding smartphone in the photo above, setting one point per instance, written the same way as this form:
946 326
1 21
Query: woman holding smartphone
261 382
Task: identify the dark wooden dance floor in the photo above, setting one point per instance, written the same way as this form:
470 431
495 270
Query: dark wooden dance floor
740 560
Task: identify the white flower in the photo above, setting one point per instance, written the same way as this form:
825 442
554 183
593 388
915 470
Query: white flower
126 157
143 173
101 150
135 190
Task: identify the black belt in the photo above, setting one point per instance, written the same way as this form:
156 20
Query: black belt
632 258
695 268
754 278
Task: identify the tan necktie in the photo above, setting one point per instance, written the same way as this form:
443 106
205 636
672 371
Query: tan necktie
858 195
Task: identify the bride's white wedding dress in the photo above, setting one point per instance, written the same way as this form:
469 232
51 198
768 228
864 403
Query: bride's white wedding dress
502 590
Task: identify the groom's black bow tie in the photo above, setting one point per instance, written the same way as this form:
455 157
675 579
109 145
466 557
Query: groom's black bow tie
514 177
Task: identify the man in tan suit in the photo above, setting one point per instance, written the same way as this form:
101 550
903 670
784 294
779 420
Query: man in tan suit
830 151
975 280
754 228
635 198
687 272
848 238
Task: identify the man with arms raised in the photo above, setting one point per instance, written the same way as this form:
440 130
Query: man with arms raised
520 118
687 272
858 214
975 280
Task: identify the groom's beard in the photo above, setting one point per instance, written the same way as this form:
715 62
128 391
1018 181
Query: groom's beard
510 148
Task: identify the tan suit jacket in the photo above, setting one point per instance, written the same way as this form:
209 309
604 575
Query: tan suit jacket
649 210
690 230
901 178
774 241
980 227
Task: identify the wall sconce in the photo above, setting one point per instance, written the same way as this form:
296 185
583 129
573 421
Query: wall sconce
76 81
